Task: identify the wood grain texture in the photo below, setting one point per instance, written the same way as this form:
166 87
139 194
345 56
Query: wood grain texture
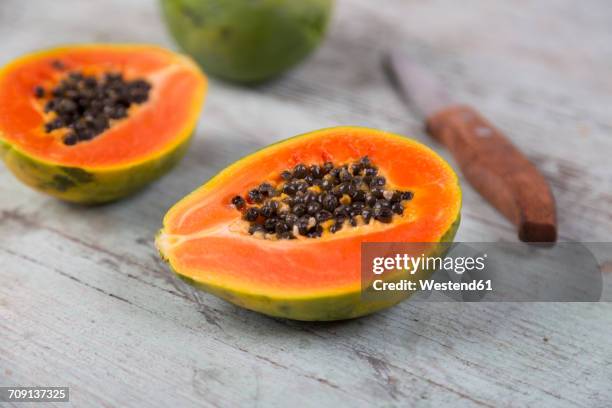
85 301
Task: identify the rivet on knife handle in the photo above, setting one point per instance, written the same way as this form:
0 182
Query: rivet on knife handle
498 170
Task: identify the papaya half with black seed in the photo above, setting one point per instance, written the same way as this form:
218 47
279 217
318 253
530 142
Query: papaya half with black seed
93 123
280 231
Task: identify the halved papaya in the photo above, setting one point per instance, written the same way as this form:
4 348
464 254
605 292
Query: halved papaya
259 234
93 123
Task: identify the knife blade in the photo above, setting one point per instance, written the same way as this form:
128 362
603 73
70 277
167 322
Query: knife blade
490 162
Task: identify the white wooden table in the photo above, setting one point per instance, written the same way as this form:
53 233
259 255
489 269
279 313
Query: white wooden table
85 301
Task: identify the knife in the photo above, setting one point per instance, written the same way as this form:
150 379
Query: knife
488 160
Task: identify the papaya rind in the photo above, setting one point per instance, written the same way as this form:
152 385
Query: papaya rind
315 307
328 307
88 186
98 185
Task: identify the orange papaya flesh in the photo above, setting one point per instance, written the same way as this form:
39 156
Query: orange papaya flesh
206 240
131 152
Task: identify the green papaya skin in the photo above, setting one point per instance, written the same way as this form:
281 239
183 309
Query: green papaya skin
88 186
247 41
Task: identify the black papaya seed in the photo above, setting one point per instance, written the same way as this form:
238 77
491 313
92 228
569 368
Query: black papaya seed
270 224
377 192
370 199
87 103
313 207
70 139
378 181
266 189
370 172
396 197
39 91
269 209
324 215
299 198
341 210
397 208
301 185
286 175
299 209
359 195
291 219
289 189
329 202
336 227
326 184
365 161
327 167
300 171
238 202
255 196
281 227
356 169
317 182
345 175
311 196
304 224
384 214
407 195
314 194
316 171
251 214
356 209
315 232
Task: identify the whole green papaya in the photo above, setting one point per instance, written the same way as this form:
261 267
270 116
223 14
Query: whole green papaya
247 40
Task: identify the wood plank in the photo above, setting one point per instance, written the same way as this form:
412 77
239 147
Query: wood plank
425 348
85 301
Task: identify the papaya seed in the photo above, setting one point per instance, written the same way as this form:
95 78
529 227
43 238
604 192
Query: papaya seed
397 208
384 214
323 216
378 181
407 195
370 171
312 199
39 91
85 104
255 196
286 175
313 207
251 214
327 167
300 171
316 171
335 228
329 202
238 202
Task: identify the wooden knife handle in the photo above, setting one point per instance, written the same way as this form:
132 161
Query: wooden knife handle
498 170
